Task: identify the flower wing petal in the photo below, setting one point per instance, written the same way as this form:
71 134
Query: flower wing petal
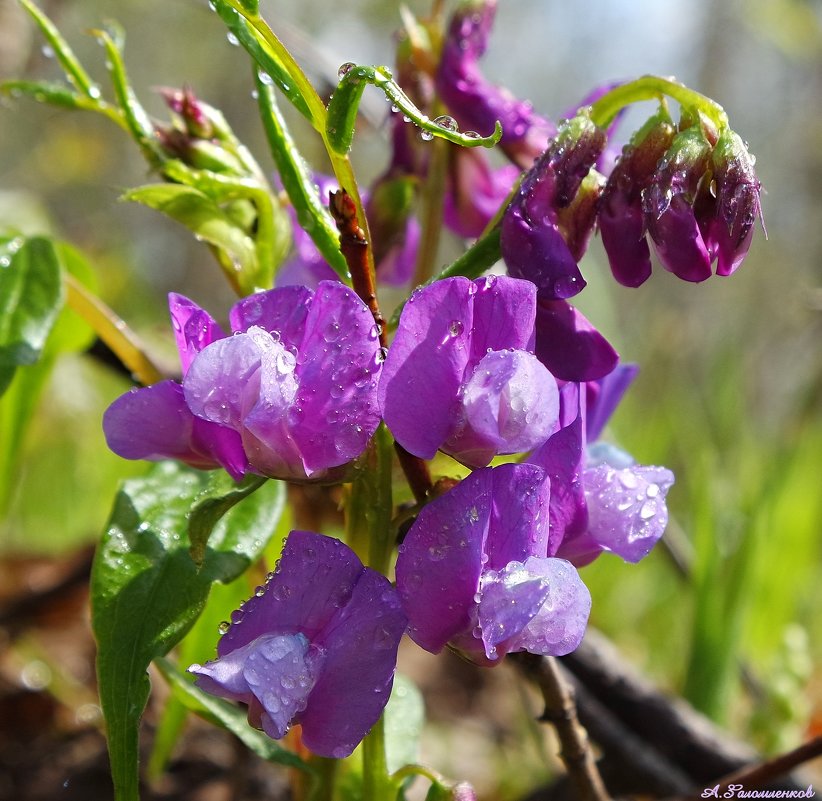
194 328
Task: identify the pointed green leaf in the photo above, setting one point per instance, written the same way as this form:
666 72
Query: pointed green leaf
31 295
299 184
228 716
205 219
263 57
64 54
147 592
58 94
222 494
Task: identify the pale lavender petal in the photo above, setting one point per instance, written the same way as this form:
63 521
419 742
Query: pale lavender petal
558 627
568 345
194 328
424 369
510 405
510 599
267 431
273 675
283 310
336 410
603 396
281 671
154 423
222 383
315 578
519 514
504 313
440 561
626 507
361 653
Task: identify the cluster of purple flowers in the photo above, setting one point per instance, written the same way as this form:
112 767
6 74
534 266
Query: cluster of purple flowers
498 366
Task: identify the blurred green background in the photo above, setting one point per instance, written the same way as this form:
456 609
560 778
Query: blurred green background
730 392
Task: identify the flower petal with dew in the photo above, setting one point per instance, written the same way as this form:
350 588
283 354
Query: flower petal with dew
476 570
292 394
317 645
461 375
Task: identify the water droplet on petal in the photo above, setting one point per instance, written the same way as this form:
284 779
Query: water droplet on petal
224 627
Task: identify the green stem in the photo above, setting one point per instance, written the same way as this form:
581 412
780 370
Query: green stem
325 778
652 87
433 197
376 783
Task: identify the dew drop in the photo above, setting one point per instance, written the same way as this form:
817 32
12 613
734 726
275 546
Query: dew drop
232 39
382 355
224 627
345 69
426 136
259 592
265 78
47 51
446 122
455 328
471 135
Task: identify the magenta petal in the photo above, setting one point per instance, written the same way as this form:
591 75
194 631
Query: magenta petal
504 314
439 564
283 310
511 405
539 253
314 579
194 328
558 627
678 241
519 515
425 366
626 507
568 345
361 653
510 599
224 444
622 228
336 409
154 423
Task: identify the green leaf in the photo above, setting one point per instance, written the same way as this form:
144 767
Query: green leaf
404 718
262 55
205 219
147 592
58 94
31 295
64 54
222 494
228 716
299 184
137 121
342 111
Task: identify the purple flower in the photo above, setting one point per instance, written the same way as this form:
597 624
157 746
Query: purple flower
546 228
461 375
601 500
621 217
316 646
695 193
475 570
473 100
292 394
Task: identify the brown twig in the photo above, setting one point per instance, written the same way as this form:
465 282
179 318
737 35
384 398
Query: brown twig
766 772
560 710
354 247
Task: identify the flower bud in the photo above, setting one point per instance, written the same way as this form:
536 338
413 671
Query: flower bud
669 205
621 219
546 228
193 114
730 230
